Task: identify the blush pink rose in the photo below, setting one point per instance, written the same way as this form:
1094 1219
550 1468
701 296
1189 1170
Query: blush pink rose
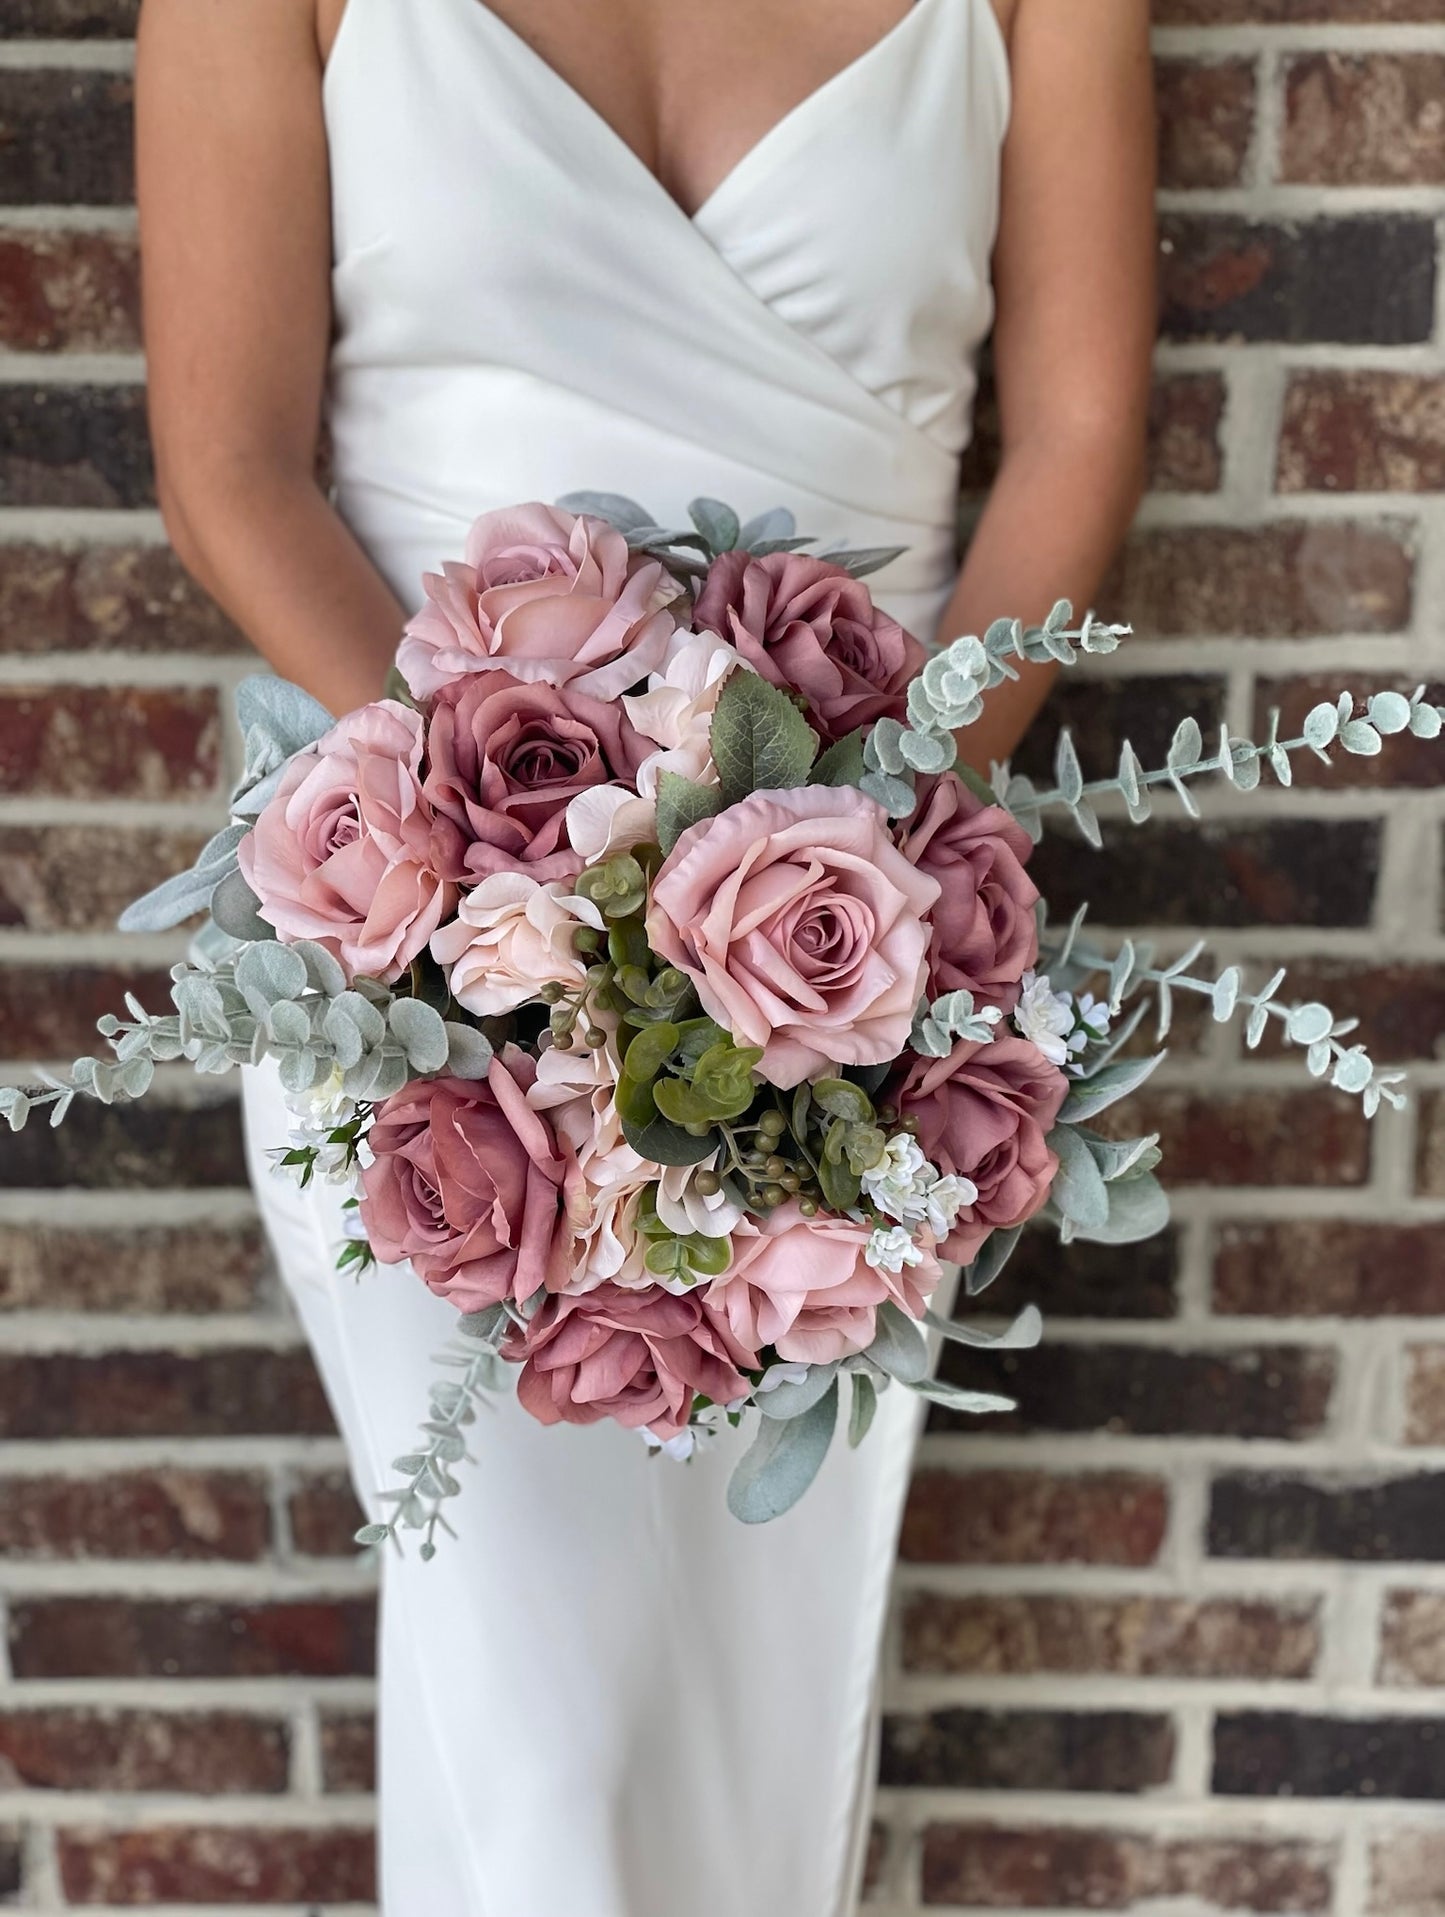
342 853
985 935
467 1182
803 1286
543 595
802 926
813 628
639 1357
504 761
984 1113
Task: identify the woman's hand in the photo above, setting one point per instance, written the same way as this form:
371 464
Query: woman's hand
1074 272
236 255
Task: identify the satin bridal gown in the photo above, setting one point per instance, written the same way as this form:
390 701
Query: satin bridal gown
606 1697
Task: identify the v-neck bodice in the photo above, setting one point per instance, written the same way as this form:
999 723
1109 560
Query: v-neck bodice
523 310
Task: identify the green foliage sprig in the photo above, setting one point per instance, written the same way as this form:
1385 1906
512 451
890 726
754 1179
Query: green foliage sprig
715 529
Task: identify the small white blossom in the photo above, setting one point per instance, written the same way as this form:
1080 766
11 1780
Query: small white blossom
1045 1017
781 1374
947 1197
891 1250
681 1447
897 1184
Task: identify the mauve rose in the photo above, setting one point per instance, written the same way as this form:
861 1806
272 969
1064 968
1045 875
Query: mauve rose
985 935
803 1286
543 595
342 853
504 761
802 926
467 1182
983 1112
639 1357
810 626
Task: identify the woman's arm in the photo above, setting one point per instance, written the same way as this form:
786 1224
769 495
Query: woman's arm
1074 270
236 252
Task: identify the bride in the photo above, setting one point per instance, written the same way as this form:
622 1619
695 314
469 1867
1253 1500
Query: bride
507 251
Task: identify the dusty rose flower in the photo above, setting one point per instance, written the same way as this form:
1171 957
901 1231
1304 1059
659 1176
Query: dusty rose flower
640 1357
341 854
468 1183
505 760
983 1112
803 1286
802 926
511 936
985 935
810 626
542 595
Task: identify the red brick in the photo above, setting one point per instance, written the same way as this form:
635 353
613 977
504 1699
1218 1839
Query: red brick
1370 119
226 1865
1185 416
69 292
51 1011
152 1146
1404 761
348 1751
69 19
971 1866
80 878
165 1513
1270 582
1425 1394
106 598
1412 1638
72 445
1206 118
325 1516
1362 432
1432 1144
1123 1637
184 1268
1400 1008
137 1394
98 742
1251 13
1032 1517
1116 1751
1310 1137
1359 280
1407 1874
65 136
1311 1268
151 1637
214 1754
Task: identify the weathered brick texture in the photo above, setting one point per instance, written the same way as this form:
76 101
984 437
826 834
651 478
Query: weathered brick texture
1172 1635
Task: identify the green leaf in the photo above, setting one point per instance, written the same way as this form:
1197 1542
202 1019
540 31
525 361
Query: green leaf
395 687
971 1403
842 763
685 1106
1078 1190
1138 1208
792 1400
717 523
841 1186
659 1139
865 1403
760 740
1106 1088
681 803
899 1346
840 1099
782 1461
650 1051
994 1254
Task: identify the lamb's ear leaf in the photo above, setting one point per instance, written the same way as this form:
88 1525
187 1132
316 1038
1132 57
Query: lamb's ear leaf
620 511
760 740
864 1404
1138 1208
782 1461
899 1346
681 803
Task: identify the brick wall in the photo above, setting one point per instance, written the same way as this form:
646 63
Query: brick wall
1171 1639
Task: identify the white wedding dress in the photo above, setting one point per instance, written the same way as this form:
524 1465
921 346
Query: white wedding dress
606 1697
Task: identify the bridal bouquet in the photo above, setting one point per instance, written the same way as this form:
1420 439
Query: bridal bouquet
668 996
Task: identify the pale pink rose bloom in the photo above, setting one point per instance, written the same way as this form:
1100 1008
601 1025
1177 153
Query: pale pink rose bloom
985 934
505 759
810 626
984 1113
675 714
576 1088
341 854
638 1357
511 936
802 926
803 1286
683 1208
542 595
468 1183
